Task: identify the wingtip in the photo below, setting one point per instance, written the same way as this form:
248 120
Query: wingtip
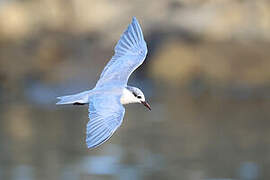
134 19
91 146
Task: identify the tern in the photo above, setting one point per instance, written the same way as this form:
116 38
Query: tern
106 99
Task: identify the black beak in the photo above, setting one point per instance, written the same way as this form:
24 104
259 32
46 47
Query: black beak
146 105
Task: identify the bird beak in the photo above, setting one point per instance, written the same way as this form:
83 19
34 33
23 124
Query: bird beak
146 105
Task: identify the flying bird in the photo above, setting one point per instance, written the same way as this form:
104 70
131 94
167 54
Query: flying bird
106 99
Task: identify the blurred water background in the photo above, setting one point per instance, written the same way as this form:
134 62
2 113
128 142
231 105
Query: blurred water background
206 76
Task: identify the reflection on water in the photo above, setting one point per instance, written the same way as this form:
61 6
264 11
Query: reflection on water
22 172
249 170
208 134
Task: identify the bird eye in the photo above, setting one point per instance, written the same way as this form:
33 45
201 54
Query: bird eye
139 97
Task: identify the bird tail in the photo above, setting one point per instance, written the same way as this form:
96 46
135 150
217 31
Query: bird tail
80 98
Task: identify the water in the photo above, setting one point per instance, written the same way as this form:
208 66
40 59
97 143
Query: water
210 134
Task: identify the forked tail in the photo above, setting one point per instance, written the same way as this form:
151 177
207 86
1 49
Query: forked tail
76 99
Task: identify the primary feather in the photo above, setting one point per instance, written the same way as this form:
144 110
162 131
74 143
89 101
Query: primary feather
130 52
106 114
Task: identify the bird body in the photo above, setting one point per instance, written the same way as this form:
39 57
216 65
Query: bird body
111 92
126 96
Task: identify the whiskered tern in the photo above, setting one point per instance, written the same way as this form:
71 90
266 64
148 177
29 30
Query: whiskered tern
111 92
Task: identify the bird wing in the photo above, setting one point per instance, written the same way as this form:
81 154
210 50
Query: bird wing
130 53
106 115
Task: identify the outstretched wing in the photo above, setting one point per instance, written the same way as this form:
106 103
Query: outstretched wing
130 53
106 115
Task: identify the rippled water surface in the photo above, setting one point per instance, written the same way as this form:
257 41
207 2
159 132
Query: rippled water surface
212 134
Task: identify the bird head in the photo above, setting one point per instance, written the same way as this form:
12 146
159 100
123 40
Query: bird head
138 96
